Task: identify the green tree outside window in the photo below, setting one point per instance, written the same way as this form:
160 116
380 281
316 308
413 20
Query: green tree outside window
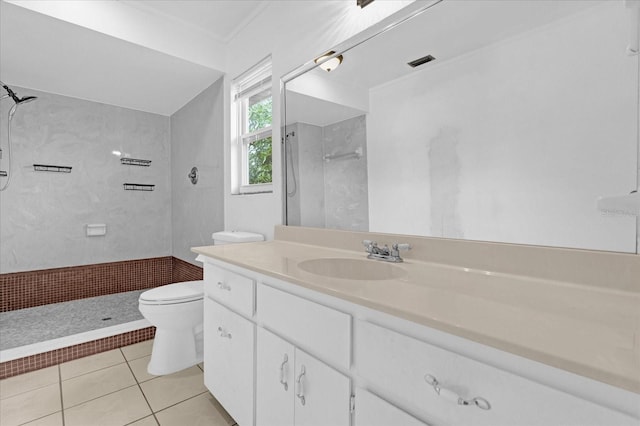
259 151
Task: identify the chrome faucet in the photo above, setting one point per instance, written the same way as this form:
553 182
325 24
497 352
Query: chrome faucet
385 253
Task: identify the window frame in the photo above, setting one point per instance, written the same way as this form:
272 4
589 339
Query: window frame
256 80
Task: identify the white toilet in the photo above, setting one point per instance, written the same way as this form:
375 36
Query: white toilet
176 310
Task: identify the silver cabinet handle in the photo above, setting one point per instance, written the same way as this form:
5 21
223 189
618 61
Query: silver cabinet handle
450 395
283 376
300 386
223 333
223 286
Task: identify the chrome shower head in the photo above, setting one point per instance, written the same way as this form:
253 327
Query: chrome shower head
15 97
26 99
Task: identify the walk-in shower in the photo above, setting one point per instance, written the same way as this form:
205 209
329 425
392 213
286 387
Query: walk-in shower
17 101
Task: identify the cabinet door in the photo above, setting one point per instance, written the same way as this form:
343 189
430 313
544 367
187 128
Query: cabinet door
274 380
374 411
229 346
321 393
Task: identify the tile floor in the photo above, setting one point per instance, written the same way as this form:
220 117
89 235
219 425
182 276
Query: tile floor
111 389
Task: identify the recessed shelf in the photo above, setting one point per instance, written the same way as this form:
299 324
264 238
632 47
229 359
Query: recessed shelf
138 187
51 168
135 162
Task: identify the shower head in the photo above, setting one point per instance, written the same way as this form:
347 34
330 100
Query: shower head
26 99
15 97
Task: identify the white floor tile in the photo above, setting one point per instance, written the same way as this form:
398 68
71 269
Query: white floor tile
91 363
54 419
164 391
139 368
116 409
29 381
137 350
28 406
96 384
203 410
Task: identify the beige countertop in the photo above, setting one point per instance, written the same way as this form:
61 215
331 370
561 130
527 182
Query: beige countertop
587 330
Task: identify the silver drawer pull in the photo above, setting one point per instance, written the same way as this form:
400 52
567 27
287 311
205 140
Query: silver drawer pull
300 386
283 374
224 333
450 395
223 286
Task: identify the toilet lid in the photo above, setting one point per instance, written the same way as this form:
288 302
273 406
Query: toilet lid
173 293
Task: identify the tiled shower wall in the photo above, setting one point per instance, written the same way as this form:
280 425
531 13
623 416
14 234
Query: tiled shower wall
332 194
43 215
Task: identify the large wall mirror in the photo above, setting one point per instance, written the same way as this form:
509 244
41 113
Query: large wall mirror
526 116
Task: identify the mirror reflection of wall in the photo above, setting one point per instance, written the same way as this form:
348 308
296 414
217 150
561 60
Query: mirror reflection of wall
511 135
330 172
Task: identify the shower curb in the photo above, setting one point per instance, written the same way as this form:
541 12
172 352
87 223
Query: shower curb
57 356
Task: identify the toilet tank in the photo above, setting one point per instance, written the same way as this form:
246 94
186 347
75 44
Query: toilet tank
232 237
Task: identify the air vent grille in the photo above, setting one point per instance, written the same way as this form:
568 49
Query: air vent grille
420 61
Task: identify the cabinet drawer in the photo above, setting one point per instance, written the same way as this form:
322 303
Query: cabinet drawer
229 360
229 288
374 411
396 365
322 331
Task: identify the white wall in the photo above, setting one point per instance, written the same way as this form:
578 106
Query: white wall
318 26
43 215
196 140
513 142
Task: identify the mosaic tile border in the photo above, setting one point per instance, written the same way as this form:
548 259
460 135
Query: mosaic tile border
57 356
20 290
184 271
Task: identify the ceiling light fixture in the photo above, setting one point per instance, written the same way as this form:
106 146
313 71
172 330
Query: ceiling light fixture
329 64
363 3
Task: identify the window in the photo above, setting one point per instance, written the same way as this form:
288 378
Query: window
252 142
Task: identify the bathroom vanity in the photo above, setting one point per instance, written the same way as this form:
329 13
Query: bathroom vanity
306 330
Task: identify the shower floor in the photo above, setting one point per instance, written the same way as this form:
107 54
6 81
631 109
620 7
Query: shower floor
31 326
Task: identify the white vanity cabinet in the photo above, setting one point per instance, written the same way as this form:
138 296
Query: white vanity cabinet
279 354
294 388
372 410
229 341
408 370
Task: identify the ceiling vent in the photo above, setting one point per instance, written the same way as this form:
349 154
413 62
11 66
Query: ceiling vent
420 61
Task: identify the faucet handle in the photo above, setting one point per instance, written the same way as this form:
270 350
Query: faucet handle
395 249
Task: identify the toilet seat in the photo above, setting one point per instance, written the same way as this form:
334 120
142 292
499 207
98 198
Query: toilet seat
170 294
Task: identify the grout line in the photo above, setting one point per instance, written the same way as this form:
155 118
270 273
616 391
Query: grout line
180 402
92 371
142 418
61 395
141 391
98 397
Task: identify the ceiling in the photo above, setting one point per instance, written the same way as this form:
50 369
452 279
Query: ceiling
221 19
39 51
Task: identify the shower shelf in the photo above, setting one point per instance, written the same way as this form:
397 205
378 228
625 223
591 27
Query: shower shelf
357 154
135 162
50 168
138 187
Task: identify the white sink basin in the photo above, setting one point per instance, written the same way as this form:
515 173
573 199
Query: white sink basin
353 269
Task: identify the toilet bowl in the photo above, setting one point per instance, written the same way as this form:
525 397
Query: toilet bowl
176 310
